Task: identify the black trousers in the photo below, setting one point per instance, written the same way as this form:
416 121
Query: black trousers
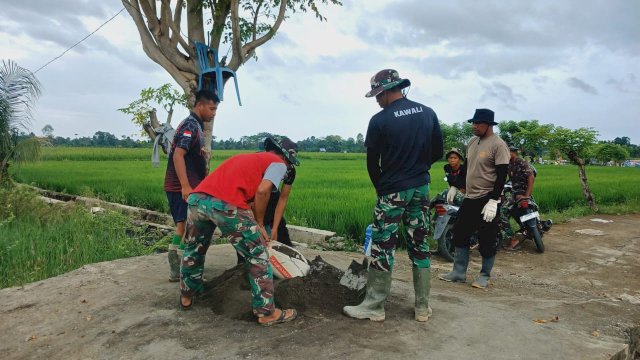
470 221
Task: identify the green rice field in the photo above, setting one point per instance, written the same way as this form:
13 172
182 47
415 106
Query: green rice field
332 191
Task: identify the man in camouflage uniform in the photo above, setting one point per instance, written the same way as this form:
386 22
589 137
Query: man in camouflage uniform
222 200
522 179
403 141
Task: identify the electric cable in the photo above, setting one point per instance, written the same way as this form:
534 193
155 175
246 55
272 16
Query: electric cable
79 42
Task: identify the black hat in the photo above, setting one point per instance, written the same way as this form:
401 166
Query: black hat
513 148
483 116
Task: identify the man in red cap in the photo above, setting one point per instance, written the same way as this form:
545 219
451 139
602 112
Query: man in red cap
403 141
223 200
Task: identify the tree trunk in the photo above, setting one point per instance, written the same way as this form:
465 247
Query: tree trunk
163 42
583 180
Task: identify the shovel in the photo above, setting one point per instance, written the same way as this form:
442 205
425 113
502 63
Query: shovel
355 277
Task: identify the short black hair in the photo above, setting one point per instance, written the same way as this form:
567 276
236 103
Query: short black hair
206 95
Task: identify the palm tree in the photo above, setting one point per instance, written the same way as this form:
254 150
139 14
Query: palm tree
19 88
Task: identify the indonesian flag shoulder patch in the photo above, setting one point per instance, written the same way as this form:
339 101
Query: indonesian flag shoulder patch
187 133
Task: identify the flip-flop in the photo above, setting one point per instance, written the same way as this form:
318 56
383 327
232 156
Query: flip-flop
185 307
282 319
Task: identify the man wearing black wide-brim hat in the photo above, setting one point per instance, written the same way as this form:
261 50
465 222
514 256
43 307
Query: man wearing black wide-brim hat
403 141
487 166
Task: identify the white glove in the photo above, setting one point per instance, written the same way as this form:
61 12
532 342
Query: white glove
451 195
489 210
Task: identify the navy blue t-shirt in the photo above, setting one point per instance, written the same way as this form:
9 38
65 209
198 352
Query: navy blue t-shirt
190 137
407 136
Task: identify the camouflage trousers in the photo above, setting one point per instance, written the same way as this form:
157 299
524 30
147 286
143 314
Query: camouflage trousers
204 214
459 198
412 208
504 224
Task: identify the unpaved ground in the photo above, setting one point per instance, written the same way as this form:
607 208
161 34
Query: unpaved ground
127 310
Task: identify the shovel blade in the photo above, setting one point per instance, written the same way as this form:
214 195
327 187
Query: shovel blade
355 277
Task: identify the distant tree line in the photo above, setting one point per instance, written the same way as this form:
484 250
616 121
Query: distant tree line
99 139
535 140
330 143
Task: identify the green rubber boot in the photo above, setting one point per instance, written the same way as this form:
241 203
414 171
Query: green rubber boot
422 287
482 281
460 264
372 307
174 263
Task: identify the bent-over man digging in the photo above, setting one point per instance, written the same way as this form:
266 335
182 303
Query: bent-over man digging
222 200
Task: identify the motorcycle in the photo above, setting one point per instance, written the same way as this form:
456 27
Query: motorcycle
527 218
445 216
443 219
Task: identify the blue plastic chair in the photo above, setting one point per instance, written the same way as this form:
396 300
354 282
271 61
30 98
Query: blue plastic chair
213 73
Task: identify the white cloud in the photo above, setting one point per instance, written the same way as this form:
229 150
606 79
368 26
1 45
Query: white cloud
525 60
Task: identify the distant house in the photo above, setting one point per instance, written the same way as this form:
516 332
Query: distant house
631 163
322 150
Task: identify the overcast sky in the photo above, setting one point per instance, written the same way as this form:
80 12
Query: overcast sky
572 63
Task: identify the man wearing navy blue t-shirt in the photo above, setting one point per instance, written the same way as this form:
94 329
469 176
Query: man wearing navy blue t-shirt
403 141
186 168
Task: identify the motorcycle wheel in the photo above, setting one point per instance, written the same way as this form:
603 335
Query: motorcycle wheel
445 245
537 238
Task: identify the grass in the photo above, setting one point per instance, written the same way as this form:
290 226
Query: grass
38 241
332 190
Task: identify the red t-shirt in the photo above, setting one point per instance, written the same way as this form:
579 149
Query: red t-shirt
236 180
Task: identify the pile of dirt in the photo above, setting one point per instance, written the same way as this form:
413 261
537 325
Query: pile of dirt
230 294
317 294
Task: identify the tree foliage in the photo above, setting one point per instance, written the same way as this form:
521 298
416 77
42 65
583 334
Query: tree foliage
19 90
606 152
529 135
572 143
456 135
143 112
575 144
47 130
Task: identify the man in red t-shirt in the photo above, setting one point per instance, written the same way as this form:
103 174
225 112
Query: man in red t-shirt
222 200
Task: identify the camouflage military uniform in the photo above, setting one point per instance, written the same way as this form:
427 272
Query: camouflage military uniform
205 213
411 206
519 172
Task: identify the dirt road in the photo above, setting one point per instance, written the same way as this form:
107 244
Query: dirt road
126 309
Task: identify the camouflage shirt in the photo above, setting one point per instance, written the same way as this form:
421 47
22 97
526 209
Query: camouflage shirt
519 172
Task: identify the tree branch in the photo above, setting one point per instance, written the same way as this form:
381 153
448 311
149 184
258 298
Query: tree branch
236 43
165 20
195 25
222 10
177 35
249 48
149 9
255 19
183 75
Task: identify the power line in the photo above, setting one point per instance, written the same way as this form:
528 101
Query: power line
78 43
